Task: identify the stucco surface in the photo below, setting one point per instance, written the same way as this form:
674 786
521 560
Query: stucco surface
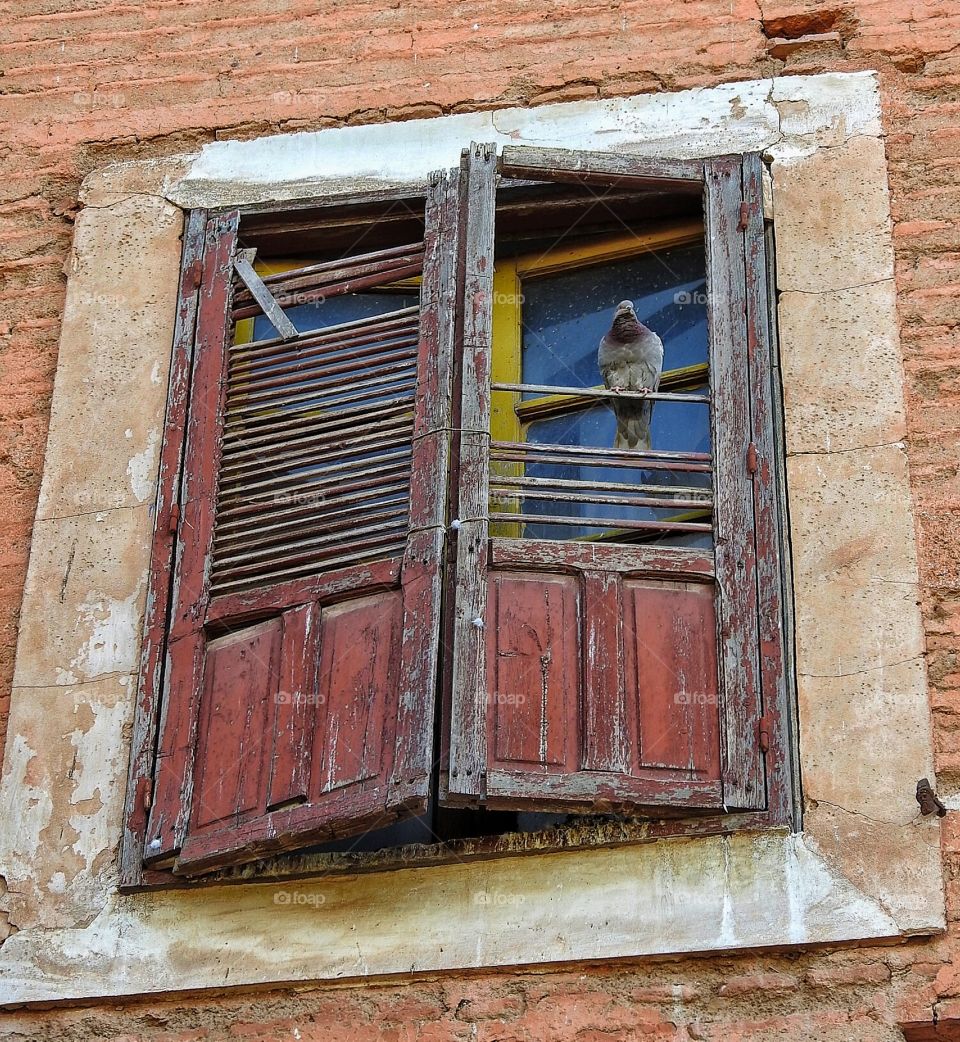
866 865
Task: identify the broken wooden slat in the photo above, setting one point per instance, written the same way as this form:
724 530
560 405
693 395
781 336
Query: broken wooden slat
307 296
631 560
270 307
290 282
603 522
560 494
702 495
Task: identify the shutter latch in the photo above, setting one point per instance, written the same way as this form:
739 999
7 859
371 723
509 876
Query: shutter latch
752 458
174 517
744 216
764 734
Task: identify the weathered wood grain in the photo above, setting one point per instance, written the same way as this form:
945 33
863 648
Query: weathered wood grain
602 168
467 735
177 737
744 783
771 588
146 719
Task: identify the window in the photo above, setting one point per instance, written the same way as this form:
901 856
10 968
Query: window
398 561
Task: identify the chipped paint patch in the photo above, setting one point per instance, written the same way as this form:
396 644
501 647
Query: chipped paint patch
114 632
142 468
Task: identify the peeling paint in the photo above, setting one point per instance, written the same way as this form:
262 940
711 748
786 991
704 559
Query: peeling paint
142 468
113 641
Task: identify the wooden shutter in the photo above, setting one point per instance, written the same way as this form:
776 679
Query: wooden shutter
301 655
571 659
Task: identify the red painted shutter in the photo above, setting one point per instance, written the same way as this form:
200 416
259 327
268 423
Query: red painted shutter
302 650
586 676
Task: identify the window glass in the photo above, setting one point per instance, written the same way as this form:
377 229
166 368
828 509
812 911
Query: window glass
563 317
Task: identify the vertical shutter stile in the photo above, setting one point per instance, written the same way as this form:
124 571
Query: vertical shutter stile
770 580
467 754
422 575
735 549
191 568
140 795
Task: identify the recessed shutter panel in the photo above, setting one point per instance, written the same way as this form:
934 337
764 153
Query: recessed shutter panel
301 666
590 675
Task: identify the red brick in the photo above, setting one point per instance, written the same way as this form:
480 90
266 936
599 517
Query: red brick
759 983
848 976
87 82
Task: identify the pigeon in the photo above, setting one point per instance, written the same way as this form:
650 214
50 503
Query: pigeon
630 359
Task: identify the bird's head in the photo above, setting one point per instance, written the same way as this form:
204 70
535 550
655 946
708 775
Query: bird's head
625 325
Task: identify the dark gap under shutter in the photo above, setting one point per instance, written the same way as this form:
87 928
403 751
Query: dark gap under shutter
303 644
567 655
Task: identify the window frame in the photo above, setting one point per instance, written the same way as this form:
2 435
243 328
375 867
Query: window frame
780 810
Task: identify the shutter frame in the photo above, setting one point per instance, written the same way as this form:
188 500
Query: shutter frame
465 769
414 577
596 783
770 544
744 776
177 730
140 783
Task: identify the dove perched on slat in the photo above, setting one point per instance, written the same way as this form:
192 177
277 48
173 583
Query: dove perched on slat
630 359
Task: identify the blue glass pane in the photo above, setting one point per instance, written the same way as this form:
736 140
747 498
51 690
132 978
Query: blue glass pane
564 316
348 307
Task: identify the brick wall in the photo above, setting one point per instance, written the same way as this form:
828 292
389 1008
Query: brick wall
84 82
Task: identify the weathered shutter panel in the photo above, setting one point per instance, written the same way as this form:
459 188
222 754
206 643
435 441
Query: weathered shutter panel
733 447
588 677
303 644
177 737
140 784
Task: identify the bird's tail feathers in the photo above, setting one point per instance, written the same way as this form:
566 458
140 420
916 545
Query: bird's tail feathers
633 433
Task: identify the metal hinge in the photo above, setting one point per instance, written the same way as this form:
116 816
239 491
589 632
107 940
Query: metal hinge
174 517
744 217
764 733
752 458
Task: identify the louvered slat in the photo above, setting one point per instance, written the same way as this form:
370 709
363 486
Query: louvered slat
317 435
